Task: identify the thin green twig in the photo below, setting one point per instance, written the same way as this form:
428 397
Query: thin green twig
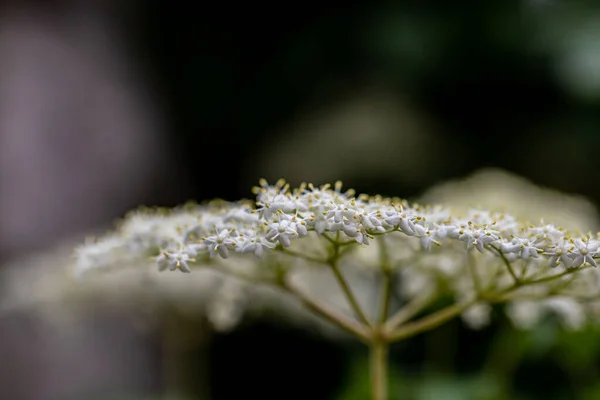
415 306
430 321
507 263
347 324
474 275
306 257
348 293
338 319
387 275
354 304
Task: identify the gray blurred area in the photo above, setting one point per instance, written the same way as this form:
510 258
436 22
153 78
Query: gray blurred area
81 141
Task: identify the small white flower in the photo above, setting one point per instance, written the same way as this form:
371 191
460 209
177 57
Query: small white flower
584 252
282 231
256 246
297 224
319 223
176 259
369 221
521 246
476 237
400 219
341 213
219 243
547 233
426 236
560 253
351 230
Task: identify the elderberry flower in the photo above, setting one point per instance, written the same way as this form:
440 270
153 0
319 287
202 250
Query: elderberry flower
522 247
289 229
426 236
402 220
219 243
474 237
559 253
175 259
585 250
256 246
283 231
547 233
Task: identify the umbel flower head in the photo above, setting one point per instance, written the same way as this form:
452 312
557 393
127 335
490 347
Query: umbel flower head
478 257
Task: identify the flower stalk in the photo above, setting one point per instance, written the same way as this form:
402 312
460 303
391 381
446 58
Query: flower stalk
182 339
378 365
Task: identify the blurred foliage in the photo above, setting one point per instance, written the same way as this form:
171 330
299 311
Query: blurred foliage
423 387
547 363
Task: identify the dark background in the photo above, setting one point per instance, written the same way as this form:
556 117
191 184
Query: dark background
222 94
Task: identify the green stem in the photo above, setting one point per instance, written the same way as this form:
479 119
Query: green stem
429 322
338 319
337 242
501 363
333 263
378 360
474 275
386 293
185 376
411 309
556 276
538 281
349 294
302 256
508 264
347 324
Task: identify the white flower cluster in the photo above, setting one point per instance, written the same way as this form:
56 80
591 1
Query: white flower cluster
510 251
282 215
